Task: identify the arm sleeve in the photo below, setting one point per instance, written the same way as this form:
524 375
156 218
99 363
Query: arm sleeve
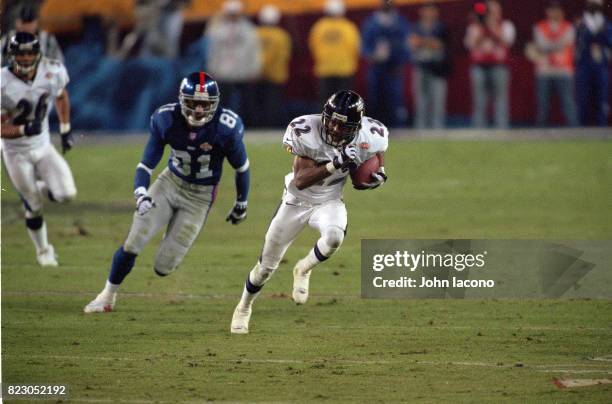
237 157
152 155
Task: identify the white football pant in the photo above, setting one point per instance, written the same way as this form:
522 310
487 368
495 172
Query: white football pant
292 215
46 164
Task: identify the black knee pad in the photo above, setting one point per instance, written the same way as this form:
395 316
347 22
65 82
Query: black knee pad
34 223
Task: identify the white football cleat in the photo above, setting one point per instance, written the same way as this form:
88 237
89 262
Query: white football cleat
240 320
301 279
47 257
103 303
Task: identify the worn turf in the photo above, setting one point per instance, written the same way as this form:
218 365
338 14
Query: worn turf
169 339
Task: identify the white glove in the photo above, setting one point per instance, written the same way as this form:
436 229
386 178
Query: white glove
238 213
378 178
346 157
144 202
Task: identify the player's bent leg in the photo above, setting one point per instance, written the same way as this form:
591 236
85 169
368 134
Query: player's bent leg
286 224
143 229
180 236
57 181
325 247
184 228
23 176
331 221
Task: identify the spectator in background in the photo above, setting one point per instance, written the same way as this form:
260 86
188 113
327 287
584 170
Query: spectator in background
27 21
384 36
593 48
489 38
234 58
553 55
276 51
159 24
429 49
166 39
334 43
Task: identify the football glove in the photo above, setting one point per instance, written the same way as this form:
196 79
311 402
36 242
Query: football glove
238 213
346 157
144 202
32 128
67 141
378 178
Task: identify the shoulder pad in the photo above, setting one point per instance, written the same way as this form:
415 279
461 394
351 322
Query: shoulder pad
52 65
229 123
164 115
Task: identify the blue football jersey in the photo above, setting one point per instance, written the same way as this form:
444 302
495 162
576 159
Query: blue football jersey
197 153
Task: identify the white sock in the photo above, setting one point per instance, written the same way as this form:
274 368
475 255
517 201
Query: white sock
255 278
247 298
39 238
308 262
110 287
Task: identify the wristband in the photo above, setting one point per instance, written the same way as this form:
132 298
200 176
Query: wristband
64 127
140 191
330 167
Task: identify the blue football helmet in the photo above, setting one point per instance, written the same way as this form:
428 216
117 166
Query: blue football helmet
199 98
25 47
342 118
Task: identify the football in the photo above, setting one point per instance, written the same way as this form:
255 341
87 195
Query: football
363 174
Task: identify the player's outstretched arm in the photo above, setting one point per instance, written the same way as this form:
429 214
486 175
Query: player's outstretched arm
62 106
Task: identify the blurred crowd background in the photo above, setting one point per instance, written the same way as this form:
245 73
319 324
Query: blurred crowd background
418 64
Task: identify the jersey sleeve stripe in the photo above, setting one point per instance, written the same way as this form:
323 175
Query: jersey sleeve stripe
144 167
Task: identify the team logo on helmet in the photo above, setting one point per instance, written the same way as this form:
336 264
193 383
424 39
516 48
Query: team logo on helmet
201 89
339 117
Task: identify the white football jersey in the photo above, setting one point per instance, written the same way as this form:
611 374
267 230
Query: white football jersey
303 137
23 101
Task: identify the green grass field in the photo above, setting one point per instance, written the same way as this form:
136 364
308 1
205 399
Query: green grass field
169 340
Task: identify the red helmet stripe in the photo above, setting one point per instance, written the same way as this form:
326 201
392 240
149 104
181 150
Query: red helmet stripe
201 81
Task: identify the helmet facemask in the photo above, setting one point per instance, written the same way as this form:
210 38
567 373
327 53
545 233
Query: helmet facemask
25 66
338 131
24 53
198 109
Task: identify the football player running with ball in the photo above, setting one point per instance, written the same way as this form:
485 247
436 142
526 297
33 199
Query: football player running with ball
29 83
326 146
200 136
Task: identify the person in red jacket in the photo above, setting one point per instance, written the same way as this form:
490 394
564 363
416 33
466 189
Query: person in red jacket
489 38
